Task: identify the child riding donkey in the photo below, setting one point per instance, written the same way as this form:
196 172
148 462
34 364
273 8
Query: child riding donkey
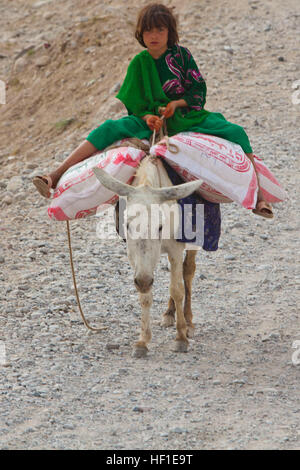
164 75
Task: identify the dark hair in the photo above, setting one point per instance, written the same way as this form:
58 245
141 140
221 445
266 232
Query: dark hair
156 15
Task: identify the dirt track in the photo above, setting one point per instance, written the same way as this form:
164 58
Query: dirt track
61 388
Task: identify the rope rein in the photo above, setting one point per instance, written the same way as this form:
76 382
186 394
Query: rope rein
134 142
163 135
75 286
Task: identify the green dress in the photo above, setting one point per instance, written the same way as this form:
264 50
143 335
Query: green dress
150 83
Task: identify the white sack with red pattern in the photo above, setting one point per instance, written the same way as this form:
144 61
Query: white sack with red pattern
79 193
227 172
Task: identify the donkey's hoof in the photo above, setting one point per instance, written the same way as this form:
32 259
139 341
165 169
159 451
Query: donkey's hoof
167 320
140 351
181 346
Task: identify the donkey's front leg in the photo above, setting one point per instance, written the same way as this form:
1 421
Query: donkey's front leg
140 348
177 293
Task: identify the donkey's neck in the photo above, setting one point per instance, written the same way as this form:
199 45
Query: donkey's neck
151 172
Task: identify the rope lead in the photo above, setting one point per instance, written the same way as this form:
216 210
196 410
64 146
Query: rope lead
75 286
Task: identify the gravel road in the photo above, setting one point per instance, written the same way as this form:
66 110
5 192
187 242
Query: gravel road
62 387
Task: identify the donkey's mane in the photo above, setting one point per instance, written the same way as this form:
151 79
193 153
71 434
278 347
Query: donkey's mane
146 173
151 172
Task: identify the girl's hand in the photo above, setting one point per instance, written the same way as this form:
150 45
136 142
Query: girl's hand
154 122
170 109
172 106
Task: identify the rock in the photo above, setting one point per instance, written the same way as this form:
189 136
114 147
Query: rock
68 426
274 335
138 409
48 15
91 82
267 390
264 267
5 363
14 184
42 61
178 430
31 255
73 44
112 346
79 34
8 200
89 50
239 381
20 64
35 315
115 88
237 225
228 49
229 257
31 166
41 3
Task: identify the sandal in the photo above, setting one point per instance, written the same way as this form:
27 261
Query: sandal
43 184
263 209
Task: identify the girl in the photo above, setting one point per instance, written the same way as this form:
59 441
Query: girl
164 75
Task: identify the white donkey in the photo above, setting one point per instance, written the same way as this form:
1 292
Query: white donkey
152 188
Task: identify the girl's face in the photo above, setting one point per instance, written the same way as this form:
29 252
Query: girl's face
156 40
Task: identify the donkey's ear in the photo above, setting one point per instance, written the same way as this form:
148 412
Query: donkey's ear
177 192
116 186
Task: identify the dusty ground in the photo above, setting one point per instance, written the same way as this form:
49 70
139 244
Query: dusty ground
237 387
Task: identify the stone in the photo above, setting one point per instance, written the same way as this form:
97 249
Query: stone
229 257
42 61
112 346
7 199
14 184
20 64
138 409
228 49
115 88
